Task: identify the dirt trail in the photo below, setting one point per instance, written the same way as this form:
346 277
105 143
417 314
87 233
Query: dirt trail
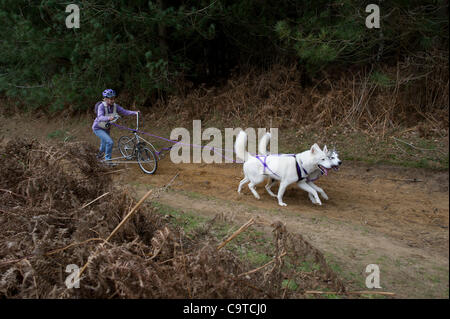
394 217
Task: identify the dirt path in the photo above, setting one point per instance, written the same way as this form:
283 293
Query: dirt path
375 215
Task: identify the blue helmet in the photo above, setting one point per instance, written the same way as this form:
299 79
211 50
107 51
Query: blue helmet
109 93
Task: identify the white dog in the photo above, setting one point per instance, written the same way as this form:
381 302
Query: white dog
287 168
312 176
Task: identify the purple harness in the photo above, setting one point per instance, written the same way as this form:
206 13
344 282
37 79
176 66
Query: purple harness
312 180
297 166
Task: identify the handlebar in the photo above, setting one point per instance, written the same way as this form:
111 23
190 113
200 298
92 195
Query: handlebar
137 121
116 118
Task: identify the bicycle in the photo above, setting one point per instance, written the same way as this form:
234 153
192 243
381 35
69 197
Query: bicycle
137 148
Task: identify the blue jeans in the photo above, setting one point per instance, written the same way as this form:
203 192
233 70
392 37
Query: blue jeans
106 143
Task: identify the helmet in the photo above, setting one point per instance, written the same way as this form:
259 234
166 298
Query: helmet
109 93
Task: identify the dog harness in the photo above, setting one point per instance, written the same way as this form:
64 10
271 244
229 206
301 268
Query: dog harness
265 164
312 180
297 166
299 169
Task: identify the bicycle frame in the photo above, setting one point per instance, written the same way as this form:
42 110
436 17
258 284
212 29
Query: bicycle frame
138 140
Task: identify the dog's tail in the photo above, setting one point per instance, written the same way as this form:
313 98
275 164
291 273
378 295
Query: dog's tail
239 146
262 146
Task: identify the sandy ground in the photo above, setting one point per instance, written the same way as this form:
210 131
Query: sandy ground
394 217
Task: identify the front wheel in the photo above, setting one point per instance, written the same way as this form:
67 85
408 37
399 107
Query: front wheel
126 146
147 160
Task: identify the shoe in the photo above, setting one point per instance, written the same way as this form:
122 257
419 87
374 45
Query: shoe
100 155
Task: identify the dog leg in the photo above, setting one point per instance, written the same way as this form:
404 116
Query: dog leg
281 191
242 183
318 189
311 197
251 186
269 185
310 190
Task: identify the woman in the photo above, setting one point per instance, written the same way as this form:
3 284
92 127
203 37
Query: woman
106 110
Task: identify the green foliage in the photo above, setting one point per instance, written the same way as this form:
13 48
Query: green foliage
143 47
327 32
381 79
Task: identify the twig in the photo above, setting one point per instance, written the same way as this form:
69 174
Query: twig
240 230
12 193
185 270
34 278
259 268
129 214
28 87
86 205
173 178
119 170
415 147
405 180
316 292
181 256
71 245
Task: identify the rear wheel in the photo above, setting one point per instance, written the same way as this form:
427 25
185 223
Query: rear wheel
126 146
147 160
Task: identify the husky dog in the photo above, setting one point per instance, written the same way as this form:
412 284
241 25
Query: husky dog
286 168
314 175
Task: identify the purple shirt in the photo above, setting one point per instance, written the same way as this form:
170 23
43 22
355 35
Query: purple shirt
101 114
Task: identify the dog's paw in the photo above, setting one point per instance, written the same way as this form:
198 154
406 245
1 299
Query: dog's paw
325 196
318 203
313 200
282 204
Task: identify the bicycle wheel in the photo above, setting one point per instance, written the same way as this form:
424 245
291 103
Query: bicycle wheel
126 146
147 160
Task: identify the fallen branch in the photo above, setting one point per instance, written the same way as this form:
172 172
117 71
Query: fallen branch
71 245
259 268
129 214
417 148
240 230
405 180
119 170
86 205
367 292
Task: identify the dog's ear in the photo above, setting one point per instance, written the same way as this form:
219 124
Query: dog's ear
315 148
325 149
